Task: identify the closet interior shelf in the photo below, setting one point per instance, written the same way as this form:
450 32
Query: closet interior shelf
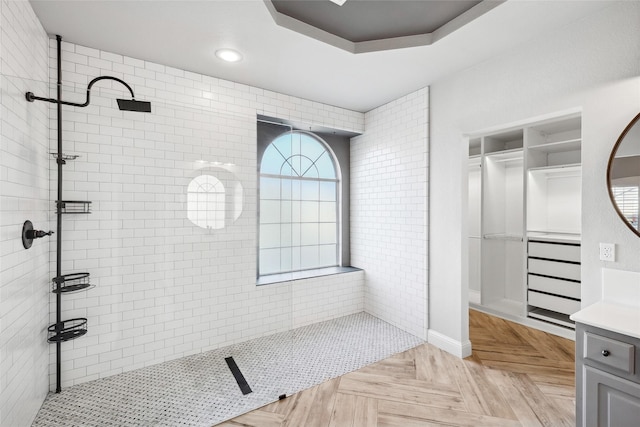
503 236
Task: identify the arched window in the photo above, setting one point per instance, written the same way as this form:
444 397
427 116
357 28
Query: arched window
298 205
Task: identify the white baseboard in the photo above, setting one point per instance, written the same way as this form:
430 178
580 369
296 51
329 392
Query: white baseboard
443 342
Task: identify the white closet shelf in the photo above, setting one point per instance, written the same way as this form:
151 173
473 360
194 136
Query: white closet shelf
573 168
559 146
554 236
503 236
506 155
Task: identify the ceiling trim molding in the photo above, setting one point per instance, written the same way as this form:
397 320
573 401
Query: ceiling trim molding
426 39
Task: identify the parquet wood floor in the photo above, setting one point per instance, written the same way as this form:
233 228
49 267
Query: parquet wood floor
516 376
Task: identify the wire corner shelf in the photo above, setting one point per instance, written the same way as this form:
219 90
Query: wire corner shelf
67 330
73 207
70 283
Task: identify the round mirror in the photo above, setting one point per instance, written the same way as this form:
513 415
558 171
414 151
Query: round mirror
623 174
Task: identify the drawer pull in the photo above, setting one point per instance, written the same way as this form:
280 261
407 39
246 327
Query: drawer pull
605 353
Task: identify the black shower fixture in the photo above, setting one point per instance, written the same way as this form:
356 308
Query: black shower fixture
29 234
133 105
124 104
65 330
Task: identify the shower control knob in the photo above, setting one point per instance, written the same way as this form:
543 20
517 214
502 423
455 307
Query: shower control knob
36 234
28 234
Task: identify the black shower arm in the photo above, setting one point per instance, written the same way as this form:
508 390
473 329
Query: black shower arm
31 97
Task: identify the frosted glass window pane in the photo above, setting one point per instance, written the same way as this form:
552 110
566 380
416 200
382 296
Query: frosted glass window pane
327 211
311 147
309 257
295 259
287 170
285 211
309 212
269 235
286 259
295 234
295 190
328 191
325 167
327 255
286 231
269 188
271 161
310 190
270 211
295 211
269 261
328 233
283 144
304 167
309 234
285 187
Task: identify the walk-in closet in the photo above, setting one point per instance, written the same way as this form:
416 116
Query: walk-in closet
524 221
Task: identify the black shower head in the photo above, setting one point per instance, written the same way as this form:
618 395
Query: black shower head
133 105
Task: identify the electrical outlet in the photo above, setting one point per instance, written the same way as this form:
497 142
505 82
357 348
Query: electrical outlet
607 252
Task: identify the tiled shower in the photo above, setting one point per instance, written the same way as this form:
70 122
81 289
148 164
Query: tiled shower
164 288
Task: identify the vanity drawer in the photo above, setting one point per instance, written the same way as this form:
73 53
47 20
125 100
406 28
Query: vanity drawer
610 352
562 270
554 251
553 303
554 286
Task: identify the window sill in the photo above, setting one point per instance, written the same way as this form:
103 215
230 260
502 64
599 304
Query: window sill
306 274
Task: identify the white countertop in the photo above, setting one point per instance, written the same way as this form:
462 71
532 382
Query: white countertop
611 316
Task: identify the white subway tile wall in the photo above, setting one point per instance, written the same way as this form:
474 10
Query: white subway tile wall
389 201
166 288
24 194
325 298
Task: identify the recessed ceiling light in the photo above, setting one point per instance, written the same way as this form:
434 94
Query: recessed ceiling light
229 55
339 2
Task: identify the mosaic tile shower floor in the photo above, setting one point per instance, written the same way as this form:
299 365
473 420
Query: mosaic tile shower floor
200 390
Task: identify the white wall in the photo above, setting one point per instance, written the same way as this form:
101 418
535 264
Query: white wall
164 287
389 193
24 194
591 64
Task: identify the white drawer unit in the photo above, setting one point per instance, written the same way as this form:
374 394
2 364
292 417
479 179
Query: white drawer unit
553 281
553 303
556 251
561 270
554 286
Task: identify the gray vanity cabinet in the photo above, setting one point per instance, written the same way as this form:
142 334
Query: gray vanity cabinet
607 378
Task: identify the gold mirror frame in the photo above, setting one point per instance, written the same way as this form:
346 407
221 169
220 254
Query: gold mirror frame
632 123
